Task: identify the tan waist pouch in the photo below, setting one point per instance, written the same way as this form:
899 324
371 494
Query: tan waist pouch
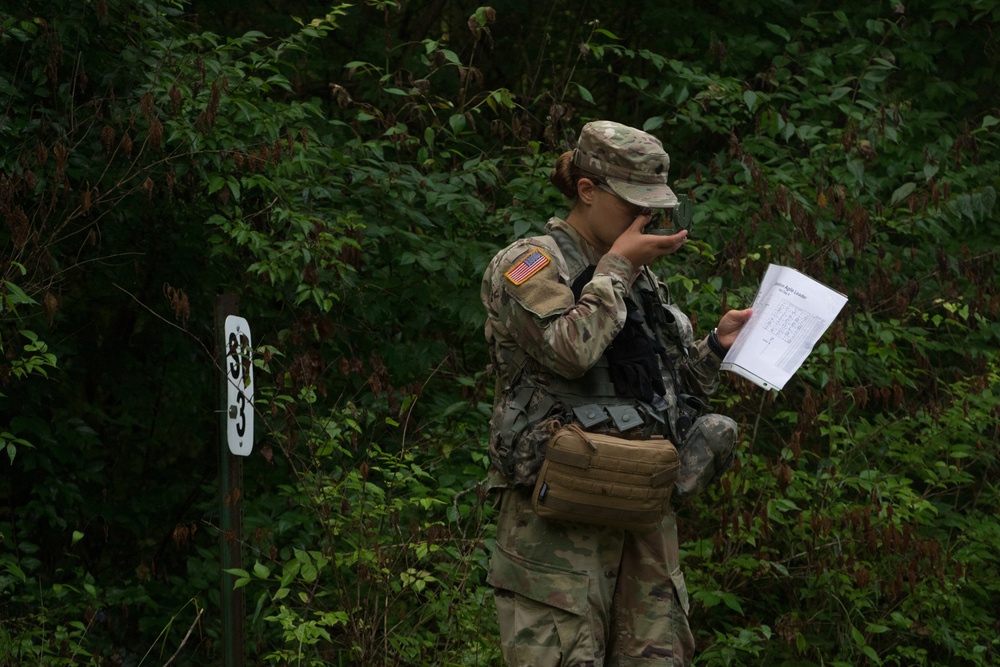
605 480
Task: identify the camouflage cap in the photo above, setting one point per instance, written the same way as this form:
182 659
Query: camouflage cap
632 162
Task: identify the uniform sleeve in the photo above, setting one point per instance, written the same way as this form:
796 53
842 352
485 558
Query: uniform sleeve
541 316
701 369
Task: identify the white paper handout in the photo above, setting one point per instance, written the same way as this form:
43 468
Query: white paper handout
790 313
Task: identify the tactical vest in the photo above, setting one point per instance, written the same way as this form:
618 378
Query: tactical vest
536 402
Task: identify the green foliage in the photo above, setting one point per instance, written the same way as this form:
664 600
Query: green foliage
389 559
349 176
864 545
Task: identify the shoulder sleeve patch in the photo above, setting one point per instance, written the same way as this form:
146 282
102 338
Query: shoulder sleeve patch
531 264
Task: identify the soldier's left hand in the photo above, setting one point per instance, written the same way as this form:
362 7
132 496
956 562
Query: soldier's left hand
730 325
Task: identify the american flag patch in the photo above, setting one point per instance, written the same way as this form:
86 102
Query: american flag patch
527 267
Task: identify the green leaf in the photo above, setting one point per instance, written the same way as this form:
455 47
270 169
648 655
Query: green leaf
15 295
457 122
750 99
857 169
839 92
732 602
585 94
708 598
872 655
480 16
779 31
653 123
902 192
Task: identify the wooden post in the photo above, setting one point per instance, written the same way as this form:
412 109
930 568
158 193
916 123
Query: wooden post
230 501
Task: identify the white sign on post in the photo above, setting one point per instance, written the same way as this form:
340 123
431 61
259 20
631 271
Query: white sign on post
239 383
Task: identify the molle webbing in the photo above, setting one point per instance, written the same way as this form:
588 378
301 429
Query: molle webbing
594 384
520 413
607 515
645 473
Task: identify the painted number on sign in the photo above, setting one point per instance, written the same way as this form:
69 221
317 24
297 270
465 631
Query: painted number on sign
239 386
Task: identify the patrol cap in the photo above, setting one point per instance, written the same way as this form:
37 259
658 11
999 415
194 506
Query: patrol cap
632 162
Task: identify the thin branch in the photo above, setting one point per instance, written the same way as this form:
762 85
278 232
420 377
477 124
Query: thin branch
186 637
155 314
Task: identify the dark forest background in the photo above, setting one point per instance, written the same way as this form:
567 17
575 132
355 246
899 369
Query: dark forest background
347 171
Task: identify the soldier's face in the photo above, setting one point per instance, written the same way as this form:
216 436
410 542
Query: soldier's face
618 213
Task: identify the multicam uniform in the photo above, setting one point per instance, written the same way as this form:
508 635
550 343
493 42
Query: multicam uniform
569 593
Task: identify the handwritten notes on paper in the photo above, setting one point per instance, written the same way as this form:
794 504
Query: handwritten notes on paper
791 312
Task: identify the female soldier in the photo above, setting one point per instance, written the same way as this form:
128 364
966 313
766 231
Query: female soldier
575 319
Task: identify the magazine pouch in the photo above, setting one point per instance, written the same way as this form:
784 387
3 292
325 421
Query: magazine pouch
605 480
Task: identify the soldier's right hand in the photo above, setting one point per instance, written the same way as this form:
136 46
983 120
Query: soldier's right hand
642 249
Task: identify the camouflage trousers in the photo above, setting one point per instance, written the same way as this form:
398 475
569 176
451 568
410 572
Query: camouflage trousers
573 595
